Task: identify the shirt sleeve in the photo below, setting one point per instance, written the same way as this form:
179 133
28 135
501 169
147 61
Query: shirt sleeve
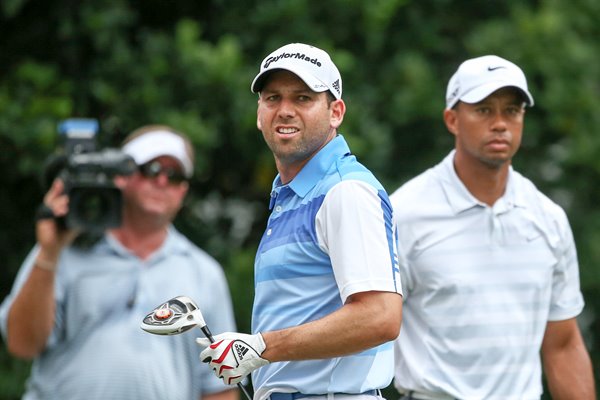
567 299
355 227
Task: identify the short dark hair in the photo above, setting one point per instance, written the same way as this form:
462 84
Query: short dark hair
330 98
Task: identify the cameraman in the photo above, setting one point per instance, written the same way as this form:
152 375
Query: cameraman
77 311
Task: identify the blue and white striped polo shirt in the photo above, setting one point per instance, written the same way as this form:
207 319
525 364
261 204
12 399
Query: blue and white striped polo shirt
331 234
480 284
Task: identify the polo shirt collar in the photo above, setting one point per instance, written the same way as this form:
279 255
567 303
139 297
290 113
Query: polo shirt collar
459 197
315 168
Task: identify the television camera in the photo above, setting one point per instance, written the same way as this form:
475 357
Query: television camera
95 203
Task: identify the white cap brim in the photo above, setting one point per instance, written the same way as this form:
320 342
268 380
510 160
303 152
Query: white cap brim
483 91
155 144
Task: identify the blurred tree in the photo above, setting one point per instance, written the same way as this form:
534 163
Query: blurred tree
190 64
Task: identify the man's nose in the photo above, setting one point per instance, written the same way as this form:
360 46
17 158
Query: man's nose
498 120
287 108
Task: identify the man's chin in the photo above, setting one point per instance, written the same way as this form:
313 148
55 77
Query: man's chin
496 162
158 213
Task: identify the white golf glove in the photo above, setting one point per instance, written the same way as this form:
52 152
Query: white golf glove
233 355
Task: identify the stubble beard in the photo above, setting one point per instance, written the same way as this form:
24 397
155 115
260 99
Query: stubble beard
298 150
495 163
289 154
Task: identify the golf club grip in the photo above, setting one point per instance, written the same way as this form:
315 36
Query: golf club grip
209 336
207 333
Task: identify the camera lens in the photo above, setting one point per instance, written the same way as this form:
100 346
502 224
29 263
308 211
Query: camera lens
94 208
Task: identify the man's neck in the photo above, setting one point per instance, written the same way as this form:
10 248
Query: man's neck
141 241
288 172
486 183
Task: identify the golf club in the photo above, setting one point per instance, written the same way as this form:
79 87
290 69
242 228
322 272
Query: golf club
176 316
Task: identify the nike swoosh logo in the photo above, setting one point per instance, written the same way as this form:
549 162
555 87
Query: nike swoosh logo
495 68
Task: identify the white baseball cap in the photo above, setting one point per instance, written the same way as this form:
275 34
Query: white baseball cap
311 64
151 145
479 77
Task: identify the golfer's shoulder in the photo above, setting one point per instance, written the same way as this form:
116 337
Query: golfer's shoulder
425 187
533 198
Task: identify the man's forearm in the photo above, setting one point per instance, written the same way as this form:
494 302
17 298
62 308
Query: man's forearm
567 364
371 319
232 394
571 376
31 316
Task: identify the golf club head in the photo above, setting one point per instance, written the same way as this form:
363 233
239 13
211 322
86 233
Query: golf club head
173 317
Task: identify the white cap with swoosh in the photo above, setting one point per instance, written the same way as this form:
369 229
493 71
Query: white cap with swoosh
479 77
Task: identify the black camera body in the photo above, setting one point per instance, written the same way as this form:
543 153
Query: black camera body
95 203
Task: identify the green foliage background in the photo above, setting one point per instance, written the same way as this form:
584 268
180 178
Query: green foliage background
190 63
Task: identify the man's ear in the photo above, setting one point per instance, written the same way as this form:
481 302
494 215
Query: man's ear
258 124
451 121
185 186
120 181
338 109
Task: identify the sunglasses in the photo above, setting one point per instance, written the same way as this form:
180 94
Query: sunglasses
153 169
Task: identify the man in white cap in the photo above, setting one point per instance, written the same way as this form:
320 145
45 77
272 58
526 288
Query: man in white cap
77 311
327 291
488 263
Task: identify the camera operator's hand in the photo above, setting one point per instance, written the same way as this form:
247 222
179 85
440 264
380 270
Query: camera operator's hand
51 237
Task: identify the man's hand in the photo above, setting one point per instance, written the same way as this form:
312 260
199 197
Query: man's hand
233 355
51 237
56 204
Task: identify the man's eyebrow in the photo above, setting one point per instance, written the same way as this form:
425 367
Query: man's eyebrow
294 91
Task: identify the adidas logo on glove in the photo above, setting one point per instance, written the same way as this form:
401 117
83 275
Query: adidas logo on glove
241 351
